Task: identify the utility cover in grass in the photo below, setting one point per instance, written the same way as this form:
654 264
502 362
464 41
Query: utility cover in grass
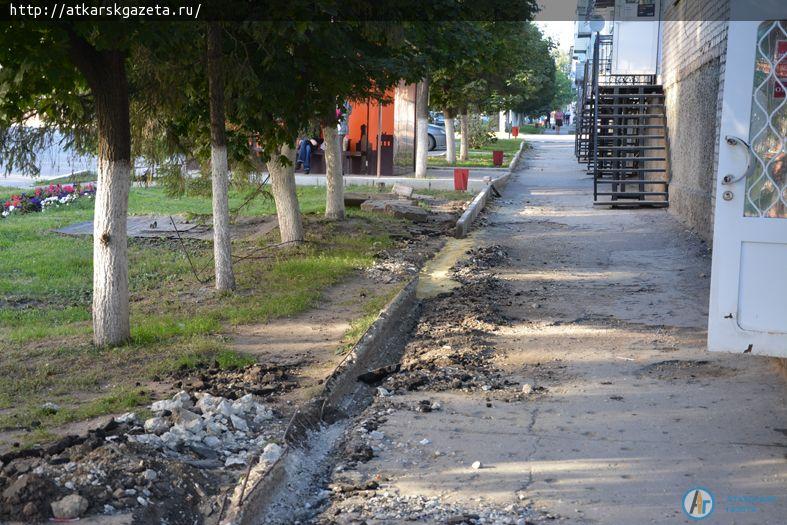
147 226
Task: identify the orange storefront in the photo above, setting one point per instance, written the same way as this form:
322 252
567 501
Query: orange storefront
381 138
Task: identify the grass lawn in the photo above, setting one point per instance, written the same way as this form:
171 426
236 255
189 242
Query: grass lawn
530 129
46 279
482 158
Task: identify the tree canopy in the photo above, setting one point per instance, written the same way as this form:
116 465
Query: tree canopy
508 65
564 87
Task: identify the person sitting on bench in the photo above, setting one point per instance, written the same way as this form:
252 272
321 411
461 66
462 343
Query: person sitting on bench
305 148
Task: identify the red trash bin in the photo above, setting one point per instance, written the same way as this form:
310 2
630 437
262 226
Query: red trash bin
515 131
461 176
497 158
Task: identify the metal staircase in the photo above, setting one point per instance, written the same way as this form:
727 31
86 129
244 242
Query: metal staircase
584 119
622 136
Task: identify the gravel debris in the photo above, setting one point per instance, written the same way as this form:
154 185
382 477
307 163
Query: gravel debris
449 350
172 468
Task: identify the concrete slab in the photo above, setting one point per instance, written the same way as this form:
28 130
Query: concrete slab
145 226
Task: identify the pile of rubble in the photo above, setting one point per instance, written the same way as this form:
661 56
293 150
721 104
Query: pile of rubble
387 506
404 203
449 348
259 379
479 262
214 429
174 467
403 262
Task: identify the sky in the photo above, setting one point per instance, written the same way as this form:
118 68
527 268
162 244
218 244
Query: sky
562 32
556 19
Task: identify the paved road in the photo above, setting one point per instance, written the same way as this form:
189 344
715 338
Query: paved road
608 312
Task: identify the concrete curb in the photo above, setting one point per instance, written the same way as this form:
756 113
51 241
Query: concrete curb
471 213
342 397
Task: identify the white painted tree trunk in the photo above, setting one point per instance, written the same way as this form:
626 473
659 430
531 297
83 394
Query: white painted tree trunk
222 242
110 253
105 72
421 128
334 180
283 187
463 129
450 143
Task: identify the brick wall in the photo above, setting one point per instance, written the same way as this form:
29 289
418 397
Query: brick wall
694 43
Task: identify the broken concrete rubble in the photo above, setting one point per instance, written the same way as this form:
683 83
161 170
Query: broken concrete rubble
171 468
399 208
69 507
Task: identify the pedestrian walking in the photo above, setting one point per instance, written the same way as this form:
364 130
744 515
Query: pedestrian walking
558 120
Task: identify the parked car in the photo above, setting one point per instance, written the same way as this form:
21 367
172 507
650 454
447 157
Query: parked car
436 137
437 118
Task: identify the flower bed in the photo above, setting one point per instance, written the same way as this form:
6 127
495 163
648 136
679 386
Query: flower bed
42 198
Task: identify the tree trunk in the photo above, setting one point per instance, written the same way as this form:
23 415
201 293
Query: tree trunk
463 129
421 128
450 143
283 187
105 72
222 242
334 181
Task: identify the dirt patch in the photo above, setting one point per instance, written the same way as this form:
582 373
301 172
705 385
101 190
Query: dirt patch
259 379
112 473
302 351
684 370
450 347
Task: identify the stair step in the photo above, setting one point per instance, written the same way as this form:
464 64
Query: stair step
628 140
633 115
632 106
633 204
641 126
630 86
624 137
632 181
631 95
639 170
643 159
631 194
631 147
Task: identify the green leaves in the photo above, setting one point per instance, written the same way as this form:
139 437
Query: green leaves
495 65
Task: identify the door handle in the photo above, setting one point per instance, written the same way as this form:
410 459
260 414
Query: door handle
750 160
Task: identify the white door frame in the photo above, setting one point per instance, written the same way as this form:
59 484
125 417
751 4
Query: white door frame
732 231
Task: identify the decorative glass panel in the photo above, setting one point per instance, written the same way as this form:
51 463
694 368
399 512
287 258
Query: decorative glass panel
766 185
